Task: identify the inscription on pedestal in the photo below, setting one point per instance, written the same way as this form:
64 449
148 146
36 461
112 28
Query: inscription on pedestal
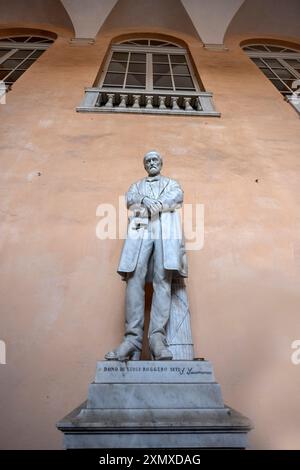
146 372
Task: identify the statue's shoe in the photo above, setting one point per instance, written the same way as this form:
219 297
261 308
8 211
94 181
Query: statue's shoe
163 354
159 348
125 352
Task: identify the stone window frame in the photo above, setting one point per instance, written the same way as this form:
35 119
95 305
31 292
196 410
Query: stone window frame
18 53
275 61
148 99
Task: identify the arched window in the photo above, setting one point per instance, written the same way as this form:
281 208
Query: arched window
280 64
18 53
149 65
149 76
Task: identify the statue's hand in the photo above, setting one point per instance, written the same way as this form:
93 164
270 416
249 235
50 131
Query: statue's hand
156 207
152 205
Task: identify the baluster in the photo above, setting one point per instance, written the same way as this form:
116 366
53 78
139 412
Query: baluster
174 101
199 105
123 101
99 100
149 101
110 100
162 104
187 103
136 101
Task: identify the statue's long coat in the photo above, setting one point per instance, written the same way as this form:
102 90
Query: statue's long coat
174 255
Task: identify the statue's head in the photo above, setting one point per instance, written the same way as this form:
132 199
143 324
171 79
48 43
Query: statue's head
153 163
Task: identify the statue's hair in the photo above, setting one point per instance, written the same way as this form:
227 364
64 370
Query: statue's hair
153 152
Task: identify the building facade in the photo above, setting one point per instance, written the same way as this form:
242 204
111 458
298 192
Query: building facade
89 88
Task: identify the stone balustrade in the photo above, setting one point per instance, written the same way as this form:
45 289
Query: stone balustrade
140 101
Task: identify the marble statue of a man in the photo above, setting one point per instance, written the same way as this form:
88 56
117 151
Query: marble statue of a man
154 249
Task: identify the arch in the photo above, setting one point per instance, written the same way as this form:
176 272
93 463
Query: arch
4 32
278 60
142 41
267 18
270 40
145 15
47 15
149 35
19 49
148 78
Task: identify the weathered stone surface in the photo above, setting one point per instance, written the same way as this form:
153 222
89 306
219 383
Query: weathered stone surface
155 396
169 405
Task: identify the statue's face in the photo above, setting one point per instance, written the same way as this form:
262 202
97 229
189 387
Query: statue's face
153 164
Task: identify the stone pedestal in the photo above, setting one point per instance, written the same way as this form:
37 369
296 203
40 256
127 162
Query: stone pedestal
147 404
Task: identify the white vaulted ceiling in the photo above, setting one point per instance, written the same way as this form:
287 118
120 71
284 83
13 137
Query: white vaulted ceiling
212 17
88 15
209 17
211 20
